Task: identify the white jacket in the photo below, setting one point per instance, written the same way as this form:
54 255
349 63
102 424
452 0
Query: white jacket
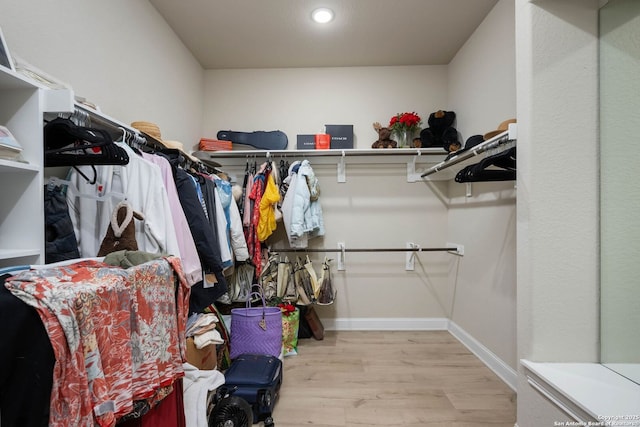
302 217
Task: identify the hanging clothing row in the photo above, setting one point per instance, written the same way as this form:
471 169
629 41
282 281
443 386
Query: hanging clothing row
287 194
183 208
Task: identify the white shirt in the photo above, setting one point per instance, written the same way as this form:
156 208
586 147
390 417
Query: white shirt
141 183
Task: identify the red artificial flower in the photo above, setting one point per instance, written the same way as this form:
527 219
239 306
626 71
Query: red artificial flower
405 121
287 308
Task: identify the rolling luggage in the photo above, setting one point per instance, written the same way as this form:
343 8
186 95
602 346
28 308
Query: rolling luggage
257 379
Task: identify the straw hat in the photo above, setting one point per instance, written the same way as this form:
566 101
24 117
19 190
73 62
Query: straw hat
149 128
503 127
153 131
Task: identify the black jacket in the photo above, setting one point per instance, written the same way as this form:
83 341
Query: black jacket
204 237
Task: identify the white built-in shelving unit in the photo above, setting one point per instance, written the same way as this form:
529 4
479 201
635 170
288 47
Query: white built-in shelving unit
22 106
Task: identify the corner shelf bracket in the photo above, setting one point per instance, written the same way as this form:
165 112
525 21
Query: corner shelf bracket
342 169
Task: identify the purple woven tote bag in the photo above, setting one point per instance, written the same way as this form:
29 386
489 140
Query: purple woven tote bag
256 330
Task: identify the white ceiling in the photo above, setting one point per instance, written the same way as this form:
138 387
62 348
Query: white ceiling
280 33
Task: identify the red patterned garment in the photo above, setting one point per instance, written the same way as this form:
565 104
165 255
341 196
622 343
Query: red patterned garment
116 334
251 234
158 337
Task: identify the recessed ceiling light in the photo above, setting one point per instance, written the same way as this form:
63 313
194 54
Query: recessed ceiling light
322 15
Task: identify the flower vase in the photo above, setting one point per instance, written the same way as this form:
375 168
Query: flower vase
404 138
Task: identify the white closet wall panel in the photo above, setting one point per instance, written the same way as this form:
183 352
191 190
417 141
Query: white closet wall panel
302 101
482 91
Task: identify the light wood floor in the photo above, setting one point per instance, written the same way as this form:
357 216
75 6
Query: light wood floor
390 379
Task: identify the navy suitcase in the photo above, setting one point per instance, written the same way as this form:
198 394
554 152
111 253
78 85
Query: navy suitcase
257 379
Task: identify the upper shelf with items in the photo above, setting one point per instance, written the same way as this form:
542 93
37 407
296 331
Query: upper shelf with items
409 156
422 163
454 163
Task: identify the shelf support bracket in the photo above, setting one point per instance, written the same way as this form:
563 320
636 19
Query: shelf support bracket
341 256
342 169
412 176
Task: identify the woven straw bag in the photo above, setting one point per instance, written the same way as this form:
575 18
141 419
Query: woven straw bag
256 330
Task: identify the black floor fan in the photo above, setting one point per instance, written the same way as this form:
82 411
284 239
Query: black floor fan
231 411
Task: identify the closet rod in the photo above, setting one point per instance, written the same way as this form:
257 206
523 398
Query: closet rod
111 123
414 249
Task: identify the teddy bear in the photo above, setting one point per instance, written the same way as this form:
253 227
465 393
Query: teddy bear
441 132
384 137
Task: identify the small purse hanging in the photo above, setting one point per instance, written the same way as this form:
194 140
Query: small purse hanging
327 293
286 285
303 283
313 278
256 330
269 277
241 281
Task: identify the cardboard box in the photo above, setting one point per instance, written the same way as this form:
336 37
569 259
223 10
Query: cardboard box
306 142
341 136
205 358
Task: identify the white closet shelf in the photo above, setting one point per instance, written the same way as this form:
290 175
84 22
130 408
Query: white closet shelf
52 100
9 166
11 80
587 391
384 155
17 253
381 156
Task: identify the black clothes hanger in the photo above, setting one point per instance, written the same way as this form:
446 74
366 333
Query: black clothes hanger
67 144
505 162
89 180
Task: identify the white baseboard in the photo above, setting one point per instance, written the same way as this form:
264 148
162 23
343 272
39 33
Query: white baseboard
493 362
386 324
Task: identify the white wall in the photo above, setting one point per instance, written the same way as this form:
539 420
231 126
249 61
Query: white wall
557 251
119 54
302 101
482 75
482 91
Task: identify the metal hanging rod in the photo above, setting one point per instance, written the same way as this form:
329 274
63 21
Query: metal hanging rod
413 249
410 250
115 126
